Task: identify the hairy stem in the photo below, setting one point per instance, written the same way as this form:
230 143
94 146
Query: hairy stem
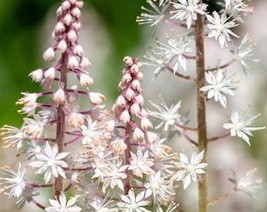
58 186
201 112
128 133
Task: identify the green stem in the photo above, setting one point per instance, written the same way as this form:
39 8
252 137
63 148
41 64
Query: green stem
201 112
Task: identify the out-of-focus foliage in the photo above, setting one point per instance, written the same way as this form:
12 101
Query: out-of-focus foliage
20 27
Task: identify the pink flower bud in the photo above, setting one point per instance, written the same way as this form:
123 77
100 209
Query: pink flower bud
146 124
85 63
79 4
96 98
59 28
37 75
119 146
126 78
72 36
128 61
125 116
59 11
59 96
73 1
121 101
73 63
62 46
76 12
129 94
140 76
135 109
76 25
78 50
134 68
50 73
67 19
136 85
86 80
109 126
138 135
139 99
66 5
49 54
76 120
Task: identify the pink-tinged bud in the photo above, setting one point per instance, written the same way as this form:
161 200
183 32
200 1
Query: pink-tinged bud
76 25
152 137
96 98
59 96
73 63
73 96
134 68
85 63
138 135
146 124
59 28
128 61
140 76
139 99
76 12
76 119
109 126
72 36
135 109
119 146
79 4
36 75
121 101
86 80
136 85
50 73
125 116
59 11
78 50
129 94
126 78
62 46
49 54
67 19
66 5
73 1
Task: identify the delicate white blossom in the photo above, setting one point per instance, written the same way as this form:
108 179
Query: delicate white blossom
140 163
248 183
241 126
132 203
219 28
189 169
187 10
219 84
244 52
152 16
12 183
173 52
12 136
91 132
62 205
237 8
50 162
168 115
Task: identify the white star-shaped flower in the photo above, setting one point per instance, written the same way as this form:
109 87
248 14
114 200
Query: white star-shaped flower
62 205
173 52
189 169
168 115
187 10
219 84
50 162
240 126
132 203
219 28
140 163
91 132
12 183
